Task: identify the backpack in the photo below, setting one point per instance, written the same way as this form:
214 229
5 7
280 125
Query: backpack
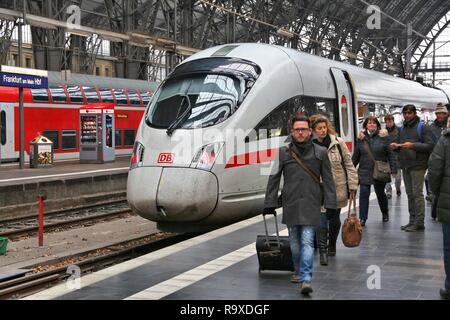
419 130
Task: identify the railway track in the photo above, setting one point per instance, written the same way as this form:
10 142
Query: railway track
28 226
43 276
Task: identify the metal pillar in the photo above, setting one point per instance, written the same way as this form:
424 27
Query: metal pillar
21 106
434 62
408 50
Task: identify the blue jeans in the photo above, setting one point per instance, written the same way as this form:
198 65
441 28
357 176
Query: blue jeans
364 194
446 233
301 239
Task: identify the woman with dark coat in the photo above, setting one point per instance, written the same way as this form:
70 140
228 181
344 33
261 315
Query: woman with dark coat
376 140
439 175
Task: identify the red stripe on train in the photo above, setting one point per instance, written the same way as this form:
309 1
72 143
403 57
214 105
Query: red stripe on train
262 156
252 158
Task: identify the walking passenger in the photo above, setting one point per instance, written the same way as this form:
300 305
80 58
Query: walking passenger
393 135
345 180
372 145
438 126
439 175
414 145
302 164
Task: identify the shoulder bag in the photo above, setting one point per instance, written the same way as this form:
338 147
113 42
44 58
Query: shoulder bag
351 229
381 169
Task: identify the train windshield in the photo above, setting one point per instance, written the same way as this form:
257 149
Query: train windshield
197 98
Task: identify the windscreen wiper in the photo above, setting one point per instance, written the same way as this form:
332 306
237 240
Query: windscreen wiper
180 118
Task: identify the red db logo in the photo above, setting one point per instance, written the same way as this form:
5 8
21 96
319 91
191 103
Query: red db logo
165 158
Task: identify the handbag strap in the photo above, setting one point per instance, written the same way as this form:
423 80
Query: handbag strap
366 145
342 161
351 203
304 166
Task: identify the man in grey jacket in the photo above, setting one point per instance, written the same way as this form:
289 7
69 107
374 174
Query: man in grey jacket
439 173
438 126
414 145
301 194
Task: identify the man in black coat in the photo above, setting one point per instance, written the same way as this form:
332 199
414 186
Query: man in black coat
438 126
414 145
439 174
393 135
301 194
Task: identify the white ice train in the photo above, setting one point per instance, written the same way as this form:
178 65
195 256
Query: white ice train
212 96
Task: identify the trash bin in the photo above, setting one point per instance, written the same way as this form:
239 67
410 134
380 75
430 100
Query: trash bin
3 245
41 152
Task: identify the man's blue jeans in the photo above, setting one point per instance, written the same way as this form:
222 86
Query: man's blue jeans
446 233
301 239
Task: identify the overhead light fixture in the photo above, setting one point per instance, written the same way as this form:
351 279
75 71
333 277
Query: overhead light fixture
285 33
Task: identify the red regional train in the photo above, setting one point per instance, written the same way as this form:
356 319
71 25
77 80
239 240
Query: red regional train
54 112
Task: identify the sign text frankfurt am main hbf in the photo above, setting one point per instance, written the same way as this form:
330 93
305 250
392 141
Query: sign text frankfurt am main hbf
23 80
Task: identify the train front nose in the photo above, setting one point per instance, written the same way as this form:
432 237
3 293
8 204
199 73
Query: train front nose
172 194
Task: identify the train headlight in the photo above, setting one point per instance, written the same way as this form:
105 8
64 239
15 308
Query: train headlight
206 156
137 156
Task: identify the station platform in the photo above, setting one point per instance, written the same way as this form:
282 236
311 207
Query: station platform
222 265
10 174
65 184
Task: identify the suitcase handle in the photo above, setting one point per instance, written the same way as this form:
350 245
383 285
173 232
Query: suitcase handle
276 227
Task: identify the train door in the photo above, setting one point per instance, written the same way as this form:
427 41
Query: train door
7 131
346 105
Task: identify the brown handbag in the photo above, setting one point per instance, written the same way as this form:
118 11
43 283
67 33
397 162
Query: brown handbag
351 229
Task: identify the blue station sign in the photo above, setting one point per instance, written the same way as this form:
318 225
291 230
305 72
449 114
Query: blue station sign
23 80
23 77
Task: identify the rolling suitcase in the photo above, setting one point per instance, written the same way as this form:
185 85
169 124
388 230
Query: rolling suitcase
274 252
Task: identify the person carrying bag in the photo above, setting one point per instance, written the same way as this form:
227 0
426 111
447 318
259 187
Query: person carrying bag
372 155
351 229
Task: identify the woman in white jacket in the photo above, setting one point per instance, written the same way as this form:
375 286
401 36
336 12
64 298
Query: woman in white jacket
345 179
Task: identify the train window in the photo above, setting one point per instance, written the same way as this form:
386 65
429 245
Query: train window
91 94
121 97
326 107
75 94
53 135
118 137
128 137
3 127
40 95
58 94
211 99
146 97
276 123
69 139
106 95
134 97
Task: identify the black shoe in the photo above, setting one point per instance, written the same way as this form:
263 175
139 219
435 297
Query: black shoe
389 196
385 217
363 222
332 249
414 228
323 258
306 288
406 226
399 193
445 294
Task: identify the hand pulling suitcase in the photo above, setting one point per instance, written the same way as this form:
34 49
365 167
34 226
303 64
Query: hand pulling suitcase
274 252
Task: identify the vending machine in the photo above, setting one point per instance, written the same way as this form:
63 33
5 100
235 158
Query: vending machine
97 133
